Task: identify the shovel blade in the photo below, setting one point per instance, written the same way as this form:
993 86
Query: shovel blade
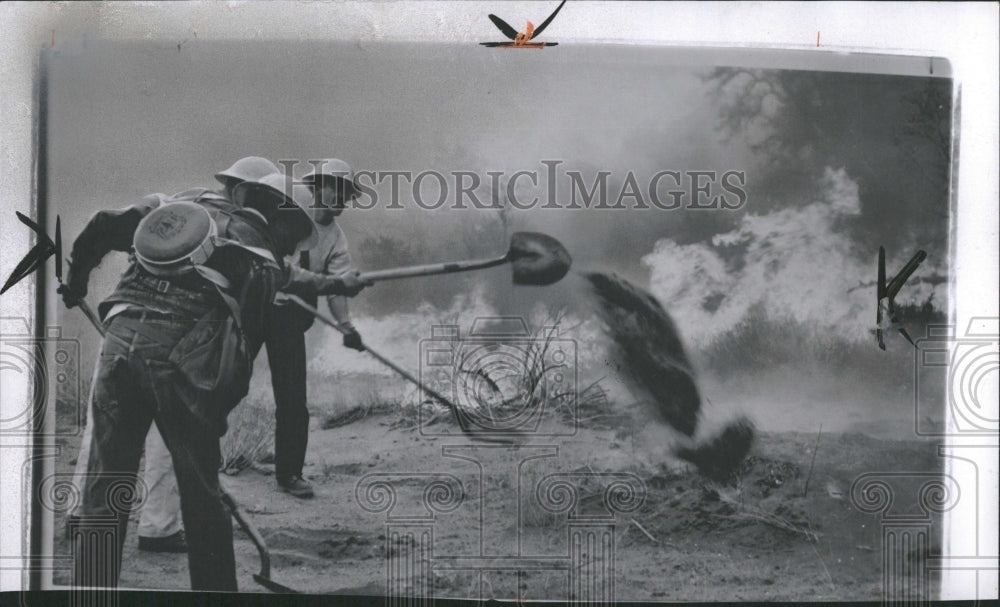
537 259
272 585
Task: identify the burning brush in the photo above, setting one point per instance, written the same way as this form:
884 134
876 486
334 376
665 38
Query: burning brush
650 349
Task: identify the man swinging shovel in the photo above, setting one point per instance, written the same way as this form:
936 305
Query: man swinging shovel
176 331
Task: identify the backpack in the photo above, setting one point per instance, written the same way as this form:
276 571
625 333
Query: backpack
214 357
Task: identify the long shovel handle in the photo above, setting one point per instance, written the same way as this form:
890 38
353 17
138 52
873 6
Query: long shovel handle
82 303
264 577
92 317
462 422
385 361
248 527
434 268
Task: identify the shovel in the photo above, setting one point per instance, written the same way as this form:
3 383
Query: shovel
31 262
264 577
508 436
537 259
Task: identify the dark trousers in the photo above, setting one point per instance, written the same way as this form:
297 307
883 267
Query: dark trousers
284 338
136 386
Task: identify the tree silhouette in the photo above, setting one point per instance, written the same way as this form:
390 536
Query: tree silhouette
892 134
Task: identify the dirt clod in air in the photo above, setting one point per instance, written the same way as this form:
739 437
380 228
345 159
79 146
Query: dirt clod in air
650 349
654 360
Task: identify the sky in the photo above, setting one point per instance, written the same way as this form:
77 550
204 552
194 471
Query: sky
126 121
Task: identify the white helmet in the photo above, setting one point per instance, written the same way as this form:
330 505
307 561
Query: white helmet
280 199
333 167
250 168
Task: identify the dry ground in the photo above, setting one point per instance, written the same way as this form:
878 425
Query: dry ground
757 538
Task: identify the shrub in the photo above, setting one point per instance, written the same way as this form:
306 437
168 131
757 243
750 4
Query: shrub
250 434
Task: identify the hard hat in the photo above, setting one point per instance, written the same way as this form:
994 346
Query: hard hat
332 167
273 205
250 168
174 237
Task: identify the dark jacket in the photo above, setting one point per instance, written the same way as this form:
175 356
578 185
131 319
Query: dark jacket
214 358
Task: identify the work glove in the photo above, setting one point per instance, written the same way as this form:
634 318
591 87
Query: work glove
75 287
351 283
352 339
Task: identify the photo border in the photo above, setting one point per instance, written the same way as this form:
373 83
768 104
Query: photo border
964 34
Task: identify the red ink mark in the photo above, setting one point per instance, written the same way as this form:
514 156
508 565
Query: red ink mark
522 39
817 38
53 43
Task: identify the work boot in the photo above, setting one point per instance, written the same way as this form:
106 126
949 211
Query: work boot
171 543
297 486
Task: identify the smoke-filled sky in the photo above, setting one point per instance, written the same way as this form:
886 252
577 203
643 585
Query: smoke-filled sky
127 120
133 118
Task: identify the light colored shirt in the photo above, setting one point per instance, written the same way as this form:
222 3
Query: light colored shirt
328 256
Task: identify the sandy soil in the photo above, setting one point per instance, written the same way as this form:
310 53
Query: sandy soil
756 538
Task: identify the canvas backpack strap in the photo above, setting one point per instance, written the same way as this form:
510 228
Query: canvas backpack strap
258 251
222 285
222 220
218 280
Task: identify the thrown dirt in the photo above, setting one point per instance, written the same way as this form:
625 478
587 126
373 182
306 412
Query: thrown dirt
649 349
647 342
